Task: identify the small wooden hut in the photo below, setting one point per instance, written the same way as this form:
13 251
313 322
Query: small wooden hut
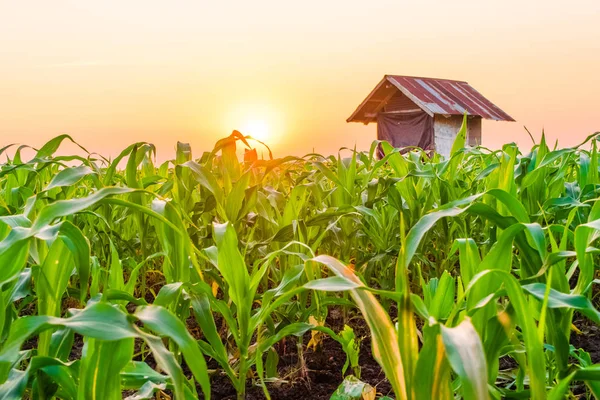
425 112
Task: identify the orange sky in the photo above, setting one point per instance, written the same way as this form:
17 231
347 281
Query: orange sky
113 72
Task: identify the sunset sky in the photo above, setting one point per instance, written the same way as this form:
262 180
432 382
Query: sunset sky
113 72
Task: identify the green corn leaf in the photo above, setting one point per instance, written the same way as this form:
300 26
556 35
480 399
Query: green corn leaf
233 201
51 282
296 329
69 176
161 321
332 284
52 146
147 391
231 263
461 137
557 299
533 345
101 365
383 334
432 369
204 316
137 373
467 358
64 208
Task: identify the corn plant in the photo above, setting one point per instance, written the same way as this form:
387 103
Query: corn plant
472 273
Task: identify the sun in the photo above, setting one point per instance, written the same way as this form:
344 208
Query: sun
258 129
260 120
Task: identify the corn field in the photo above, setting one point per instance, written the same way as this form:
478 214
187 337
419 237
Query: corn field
475 275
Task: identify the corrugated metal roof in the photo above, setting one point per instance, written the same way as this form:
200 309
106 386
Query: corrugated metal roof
434 96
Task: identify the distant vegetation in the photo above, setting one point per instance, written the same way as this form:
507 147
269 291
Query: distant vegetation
476 275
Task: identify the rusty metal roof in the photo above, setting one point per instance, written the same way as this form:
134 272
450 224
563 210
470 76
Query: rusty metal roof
434 96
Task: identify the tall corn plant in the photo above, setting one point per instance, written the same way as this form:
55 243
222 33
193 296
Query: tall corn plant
486 254
485 276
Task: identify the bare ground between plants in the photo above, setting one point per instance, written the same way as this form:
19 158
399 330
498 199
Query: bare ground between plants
324 366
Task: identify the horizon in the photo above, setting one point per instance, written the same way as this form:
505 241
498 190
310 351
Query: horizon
110 74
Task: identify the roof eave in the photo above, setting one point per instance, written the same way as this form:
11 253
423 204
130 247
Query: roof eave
509 119
353 117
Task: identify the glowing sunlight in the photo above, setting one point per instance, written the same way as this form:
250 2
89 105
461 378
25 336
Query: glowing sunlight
258 129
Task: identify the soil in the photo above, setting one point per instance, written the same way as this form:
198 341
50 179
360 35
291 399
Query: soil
324 368
588 339
324 365
323 377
